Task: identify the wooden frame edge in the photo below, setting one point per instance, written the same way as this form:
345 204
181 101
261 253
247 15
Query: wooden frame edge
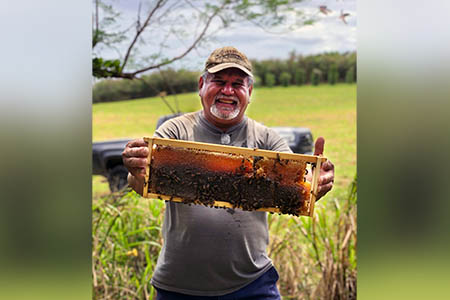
312 159
147 167
232 149
315 183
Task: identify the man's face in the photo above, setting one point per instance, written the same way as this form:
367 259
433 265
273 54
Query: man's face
225 96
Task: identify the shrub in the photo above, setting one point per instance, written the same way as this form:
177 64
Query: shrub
109 90
269 79
315 76
170 81
300 76
333 75
350 75
316 257
126 240
257 81
297 64
285 79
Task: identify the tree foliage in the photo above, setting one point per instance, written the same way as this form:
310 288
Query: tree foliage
181 81
285 78
300 76
350 75
333 75
301 67
269 79
105 68
316 75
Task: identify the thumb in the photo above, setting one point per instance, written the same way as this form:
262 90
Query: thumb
318 147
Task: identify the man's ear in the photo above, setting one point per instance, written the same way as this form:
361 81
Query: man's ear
250 89
200 84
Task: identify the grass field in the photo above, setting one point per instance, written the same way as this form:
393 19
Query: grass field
315 256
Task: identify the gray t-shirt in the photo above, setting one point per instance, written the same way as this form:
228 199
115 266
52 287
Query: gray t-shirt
207 251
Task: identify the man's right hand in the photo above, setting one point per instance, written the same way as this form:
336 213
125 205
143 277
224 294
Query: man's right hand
135 160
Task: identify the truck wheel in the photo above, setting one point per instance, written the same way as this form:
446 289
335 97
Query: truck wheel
117 178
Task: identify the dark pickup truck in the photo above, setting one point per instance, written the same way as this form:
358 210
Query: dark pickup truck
107 156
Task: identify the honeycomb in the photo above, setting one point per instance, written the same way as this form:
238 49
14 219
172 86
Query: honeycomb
244 181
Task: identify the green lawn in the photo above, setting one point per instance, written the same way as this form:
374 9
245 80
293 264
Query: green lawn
329 111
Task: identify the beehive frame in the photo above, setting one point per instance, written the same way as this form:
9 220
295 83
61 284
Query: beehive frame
315 161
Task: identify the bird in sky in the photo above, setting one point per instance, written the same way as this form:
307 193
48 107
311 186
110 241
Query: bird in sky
343 16
323 9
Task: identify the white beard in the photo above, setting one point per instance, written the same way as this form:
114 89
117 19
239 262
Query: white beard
227 115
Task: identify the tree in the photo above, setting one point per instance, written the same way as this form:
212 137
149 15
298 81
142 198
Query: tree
350 75
161 21
257 81
333 75
316 76
285 79
300 76
269 79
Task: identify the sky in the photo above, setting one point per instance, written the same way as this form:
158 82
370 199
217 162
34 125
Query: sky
328 33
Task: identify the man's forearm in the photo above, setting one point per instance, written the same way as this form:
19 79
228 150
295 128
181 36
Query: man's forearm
136 184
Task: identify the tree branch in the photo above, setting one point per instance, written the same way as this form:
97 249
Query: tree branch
95 31
96 15
139 31
260 13
197 40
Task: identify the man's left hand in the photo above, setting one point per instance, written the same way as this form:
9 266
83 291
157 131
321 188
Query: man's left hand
326 176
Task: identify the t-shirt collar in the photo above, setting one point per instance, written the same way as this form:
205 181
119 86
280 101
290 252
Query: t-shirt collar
216 129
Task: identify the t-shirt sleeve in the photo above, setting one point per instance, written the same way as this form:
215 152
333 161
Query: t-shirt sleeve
168 130
179 128
275 142
266 138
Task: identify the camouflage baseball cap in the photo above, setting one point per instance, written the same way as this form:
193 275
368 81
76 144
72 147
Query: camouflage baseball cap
228 57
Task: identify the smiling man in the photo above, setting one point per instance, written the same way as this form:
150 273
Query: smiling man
224 96
226 86
216 253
